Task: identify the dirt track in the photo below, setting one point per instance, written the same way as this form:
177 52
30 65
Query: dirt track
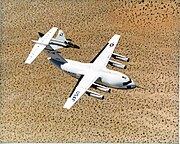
32 96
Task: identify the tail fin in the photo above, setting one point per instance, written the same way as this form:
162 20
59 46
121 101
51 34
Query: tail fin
61 36
52 54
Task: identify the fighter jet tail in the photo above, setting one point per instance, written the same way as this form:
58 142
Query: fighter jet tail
61 36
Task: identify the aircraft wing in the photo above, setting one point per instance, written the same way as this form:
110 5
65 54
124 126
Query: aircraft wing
40 45
81 87
105 54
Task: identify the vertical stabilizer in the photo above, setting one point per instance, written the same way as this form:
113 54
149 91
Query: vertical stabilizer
54 54
61 36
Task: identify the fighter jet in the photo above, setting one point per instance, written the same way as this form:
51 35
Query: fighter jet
94 74
60 41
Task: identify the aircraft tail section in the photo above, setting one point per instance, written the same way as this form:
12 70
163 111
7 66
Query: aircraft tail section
40 45
52 54
61 36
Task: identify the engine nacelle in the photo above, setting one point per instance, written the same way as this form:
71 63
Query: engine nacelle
95 95
120 57
116 64
101 87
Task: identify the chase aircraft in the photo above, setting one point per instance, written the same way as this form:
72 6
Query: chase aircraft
60 41
94 74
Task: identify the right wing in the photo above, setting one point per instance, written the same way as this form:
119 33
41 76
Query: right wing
104 55
40 45
81 87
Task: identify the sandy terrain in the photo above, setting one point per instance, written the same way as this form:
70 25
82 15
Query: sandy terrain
32 96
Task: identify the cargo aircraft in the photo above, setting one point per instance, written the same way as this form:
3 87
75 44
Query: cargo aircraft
94 74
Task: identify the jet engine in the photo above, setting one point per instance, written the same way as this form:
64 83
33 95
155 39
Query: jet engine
120 57
116 64
95 95
101 87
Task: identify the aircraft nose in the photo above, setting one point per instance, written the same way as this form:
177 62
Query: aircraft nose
131 85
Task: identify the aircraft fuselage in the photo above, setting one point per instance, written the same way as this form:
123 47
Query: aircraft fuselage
107 77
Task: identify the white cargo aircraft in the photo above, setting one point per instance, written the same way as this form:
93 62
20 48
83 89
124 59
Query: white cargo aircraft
94 74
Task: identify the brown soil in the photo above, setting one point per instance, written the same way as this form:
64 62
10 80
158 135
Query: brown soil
32 96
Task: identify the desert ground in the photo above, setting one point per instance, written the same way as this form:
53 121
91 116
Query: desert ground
32 96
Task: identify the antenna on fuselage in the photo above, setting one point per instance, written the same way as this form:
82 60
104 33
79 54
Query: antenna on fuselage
140 87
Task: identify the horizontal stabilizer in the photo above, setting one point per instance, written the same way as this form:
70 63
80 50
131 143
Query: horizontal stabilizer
40 45
34 53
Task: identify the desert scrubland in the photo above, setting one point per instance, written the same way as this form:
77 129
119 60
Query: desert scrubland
32 96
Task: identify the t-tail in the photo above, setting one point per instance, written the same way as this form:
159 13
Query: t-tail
58 42
40 45
60 36
54 55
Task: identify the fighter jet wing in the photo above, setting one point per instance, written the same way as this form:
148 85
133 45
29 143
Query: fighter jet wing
81 87
105 54
40 45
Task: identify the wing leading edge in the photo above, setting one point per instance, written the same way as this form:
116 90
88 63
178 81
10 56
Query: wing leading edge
82 86
105 54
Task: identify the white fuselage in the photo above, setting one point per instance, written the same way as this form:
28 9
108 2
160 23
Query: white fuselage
107 77
56 44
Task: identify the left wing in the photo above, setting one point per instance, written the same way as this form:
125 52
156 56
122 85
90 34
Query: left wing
81 87
105 54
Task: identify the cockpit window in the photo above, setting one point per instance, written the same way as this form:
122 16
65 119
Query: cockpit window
126 83
123 77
